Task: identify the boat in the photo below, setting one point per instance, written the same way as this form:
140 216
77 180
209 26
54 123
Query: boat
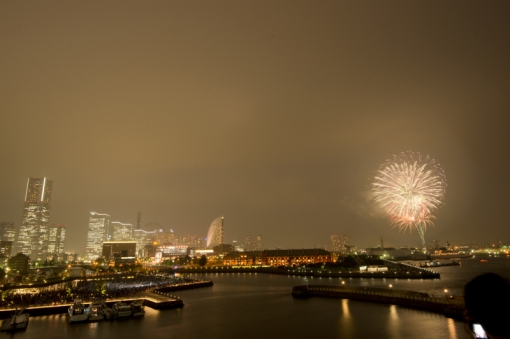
96 311
137 308
77 312
107 312
483 260
18 321
121 310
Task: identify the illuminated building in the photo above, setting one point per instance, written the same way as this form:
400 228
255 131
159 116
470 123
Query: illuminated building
99 225
7 231
120 231
119 251
169 251
215 233
247 243
142 238
345 244
5 248
258 243
163 236
56 238
33 233
278 257
335 243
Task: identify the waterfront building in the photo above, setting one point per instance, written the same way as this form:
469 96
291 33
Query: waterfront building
99 226
215 233
120 231
290 257
56 239
33 233
8 231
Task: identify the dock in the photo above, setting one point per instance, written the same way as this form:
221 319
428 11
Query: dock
451 308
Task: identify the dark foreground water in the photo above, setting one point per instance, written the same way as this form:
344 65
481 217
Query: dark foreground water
261 306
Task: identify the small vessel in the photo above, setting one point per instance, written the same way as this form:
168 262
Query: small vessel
96 311
120 310
137 308
18 321
107 312
483 260
77 312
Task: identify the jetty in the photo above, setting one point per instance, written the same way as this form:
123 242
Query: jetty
451 308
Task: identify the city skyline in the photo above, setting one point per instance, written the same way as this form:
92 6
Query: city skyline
274 114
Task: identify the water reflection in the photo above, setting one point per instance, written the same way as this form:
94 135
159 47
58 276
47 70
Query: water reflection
451 328
345 309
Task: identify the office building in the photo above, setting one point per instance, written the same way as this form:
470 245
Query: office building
247 243
258 243
7 231
120 231
142 238
33 233
56 238
99 227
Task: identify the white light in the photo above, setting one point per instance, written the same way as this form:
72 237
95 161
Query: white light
44 184
26 192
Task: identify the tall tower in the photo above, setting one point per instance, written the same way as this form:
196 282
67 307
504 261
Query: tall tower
99 226
259 243
33 233
56 238
7 231
215 233
138 220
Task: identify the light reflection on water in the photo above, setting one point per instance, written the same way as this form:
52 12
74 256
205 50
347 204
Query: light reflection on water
260 305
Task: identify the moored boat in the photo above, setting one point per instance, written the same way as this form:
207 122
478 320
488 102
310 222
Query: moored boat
137 308
96 311
121 310
18 321
107 312
77 312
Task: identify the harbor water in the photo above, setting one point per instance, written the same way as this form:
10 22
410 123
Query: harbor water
251 305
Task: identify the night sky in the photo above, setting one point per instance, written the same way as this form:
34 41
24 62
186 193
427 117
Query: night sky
275 114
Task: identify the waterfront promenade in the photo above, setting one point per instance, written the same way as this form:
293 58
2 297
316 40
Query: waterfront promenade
452 307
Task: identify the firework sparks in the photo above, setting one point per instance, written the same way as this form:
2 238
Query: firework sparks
409 188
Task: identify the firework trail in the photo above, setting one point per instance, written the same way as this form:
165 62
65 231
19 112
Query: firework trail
409 187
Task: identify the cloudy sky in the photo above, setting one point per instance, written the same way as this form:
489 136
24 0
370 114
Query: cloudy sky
275 114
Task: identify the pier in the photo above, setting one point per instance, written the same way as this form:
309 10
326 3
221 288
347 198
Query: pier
452 308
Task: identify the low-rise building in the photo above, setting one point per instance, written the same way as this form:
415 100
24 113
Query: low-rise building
290 257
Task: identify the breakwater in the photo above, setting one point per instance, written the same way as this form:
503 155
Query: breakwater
396 271
452 308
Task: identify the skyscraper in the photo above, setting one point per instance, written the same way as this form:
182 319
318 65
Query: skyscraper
335 243
215 233
120 231
56 238
99 228
33 233
247 243
258 245
7 231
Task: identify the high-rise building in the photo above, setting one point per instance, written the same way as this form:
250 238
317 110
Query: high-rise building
120 231
33 233
7 231
345 243
56 238
215 233
138 220
335 243
258 244
142 238
247 243
99 228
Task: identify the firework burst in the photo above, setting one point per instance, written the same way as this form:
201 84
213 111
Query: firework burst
409 187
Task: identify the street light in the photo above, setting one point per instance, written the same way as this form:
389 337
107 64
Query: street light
391 285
